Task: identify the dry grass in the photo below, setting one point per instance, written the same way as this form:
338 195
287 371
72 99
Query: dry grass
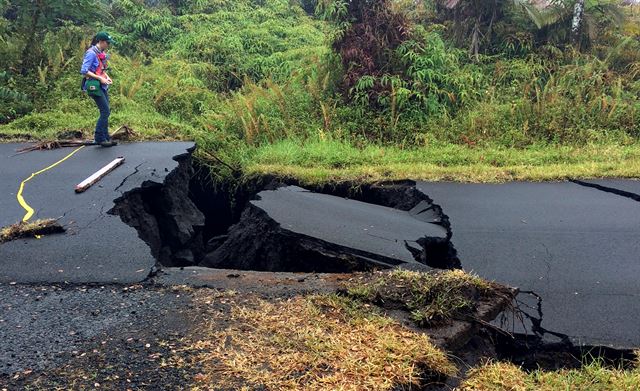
314 343
30 229
431 298
593 377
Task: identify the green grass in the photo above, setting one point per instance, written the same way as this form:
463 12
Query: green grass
324 159
432 299
330 160
594 377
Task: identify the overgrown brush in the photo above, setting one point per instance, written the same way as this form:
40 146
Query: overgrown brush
237 75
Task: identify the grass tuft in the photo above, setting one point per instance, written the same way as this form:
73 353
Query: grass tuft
593 376
30 229
431 298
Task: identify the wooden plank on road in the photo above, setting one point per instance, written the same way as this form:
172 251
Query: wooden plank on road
87 183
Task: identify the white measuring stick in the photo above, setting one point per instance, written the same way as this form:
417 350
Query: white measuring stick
87 183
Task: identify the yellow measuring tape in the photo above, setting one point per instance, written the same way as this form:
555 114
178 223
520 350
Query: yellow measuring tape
21 200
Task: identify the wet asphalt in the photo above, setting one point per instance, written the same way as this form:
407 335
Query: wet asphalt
576 247
353 224
97 247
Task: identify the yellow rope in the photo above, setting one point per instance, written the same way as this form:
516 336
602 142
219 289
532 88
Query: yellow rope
21 200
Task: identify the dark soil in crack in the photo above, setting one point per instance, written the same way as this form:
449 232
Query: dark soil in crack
532 352
165 217
529 353
258 243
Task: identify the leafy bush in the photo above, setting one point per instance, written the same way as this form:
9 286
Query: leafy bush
236 75
267 42
15 103
434 80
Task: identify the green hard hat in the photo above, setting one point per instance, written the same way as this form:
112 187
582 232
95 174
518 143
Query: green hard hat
104 36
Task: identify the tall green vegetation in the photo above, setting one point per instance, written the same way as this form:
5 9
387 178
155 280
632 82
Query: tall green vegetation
39 41
239 75
517 85
30 27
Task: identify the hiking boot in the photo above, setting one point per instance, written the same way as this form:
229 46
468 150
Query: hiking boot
108 143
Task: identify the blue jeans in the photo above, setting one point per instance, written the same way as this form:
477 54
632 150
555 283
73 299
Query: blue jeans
102 127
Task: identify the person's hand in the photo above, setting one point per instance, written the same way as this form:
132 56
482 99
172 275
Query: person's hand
106 80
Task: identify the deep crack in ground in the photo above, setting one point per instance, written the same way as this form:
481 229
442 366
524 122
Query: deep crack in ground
135 171
189 222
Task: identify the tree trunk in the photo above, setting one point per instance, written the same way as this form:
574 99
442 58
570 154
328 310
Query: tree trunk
576 24
28 54
474 48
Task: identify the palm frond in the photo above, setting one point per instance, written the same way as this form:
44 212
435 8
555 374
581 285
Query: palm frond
541 16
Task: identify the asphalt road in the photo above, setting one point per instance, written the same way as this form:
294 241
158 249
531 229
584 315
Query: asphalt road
576 247
619 184
358 225
97 247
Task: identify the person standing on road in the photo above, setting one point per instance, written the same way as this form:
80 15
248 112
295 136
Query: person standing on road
96 84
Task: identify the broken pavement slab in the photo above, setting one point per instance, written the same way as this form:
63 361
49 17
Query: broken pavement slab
97 246
293 229
577 248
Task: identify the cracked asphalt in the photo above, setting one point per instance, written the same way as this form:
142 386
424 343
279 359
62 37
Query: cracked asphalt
97 247
577 247
373 229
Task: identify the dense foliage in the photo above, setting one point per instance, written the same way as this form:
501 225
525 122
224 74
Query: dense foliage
235 74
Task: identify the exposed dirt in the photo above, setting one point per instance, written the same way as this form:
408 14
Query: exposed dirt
532 352
166 218
456 304
257 242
